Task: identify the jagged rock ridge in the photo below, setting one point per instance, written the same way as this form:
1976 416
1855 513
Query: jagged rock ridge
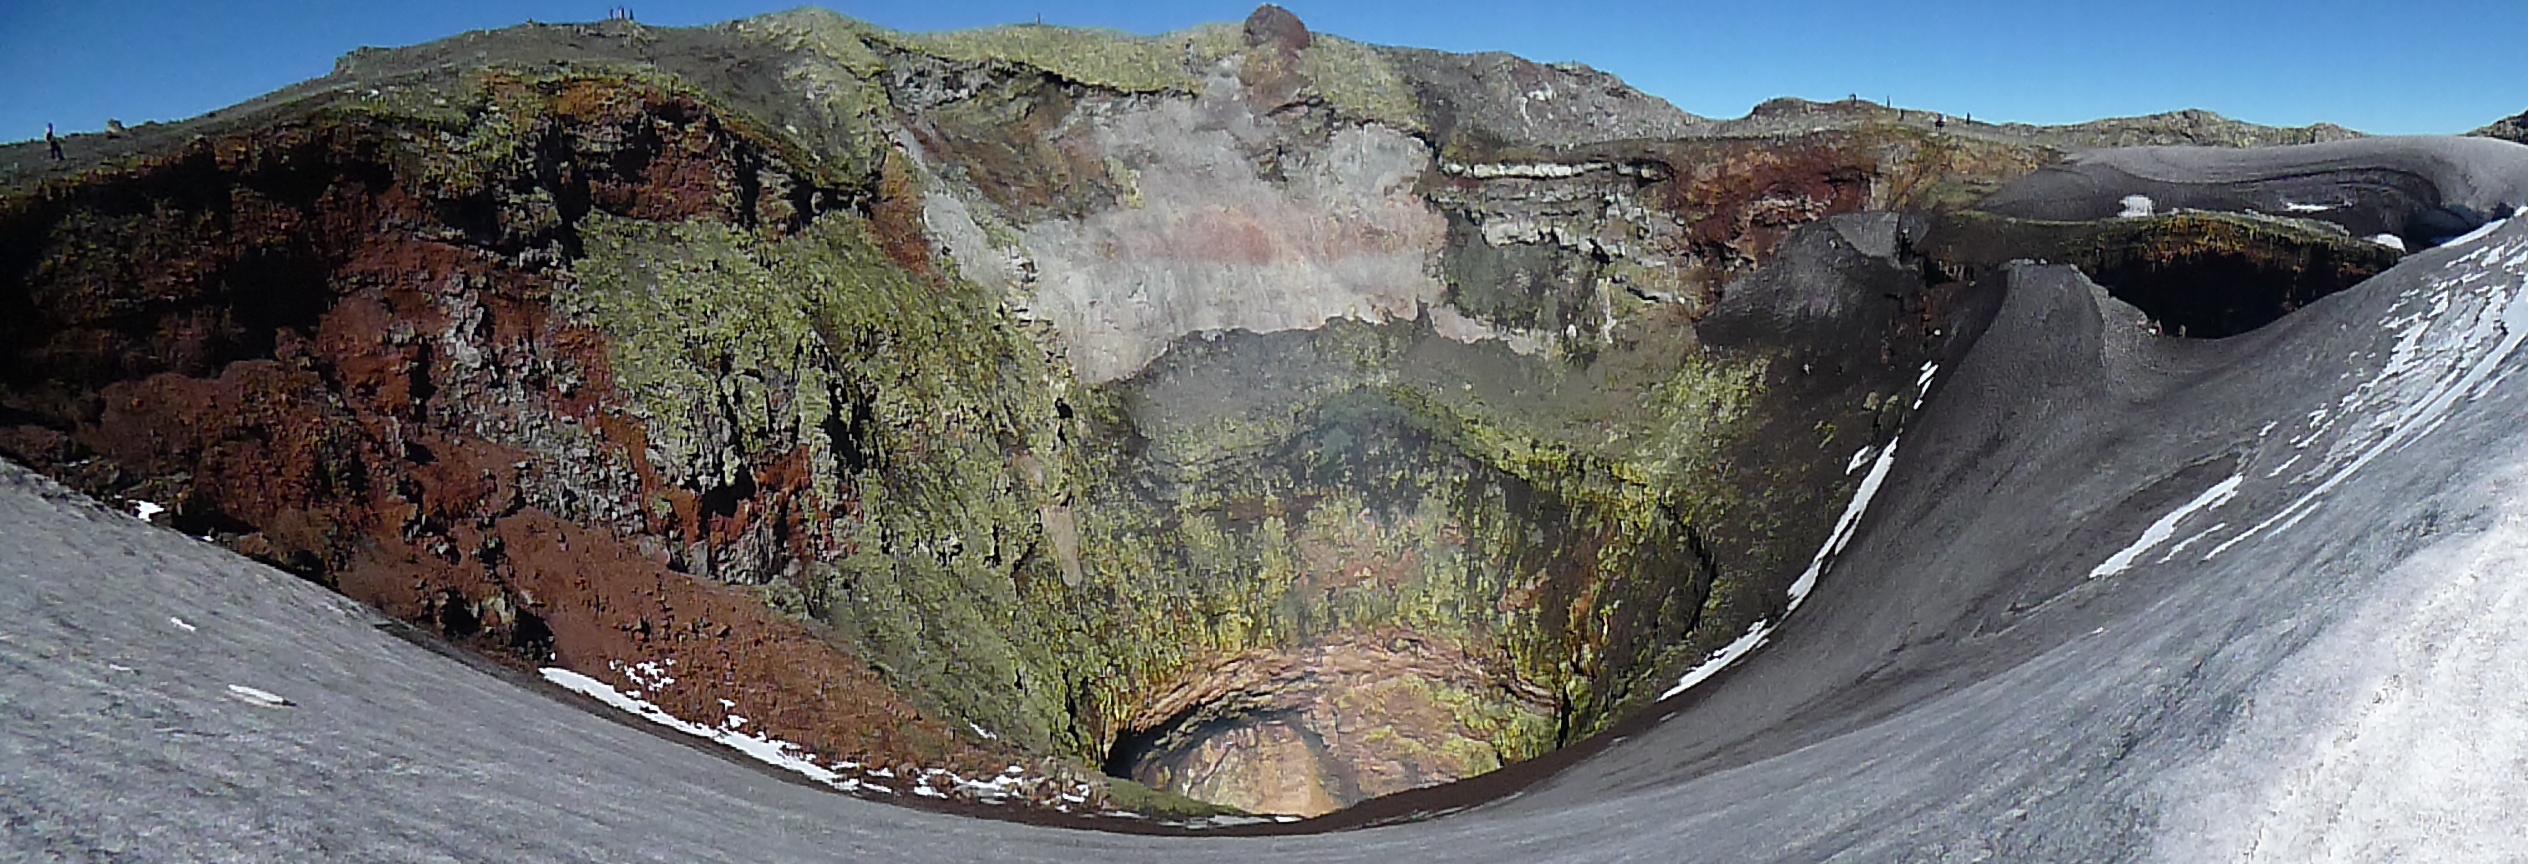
2513 129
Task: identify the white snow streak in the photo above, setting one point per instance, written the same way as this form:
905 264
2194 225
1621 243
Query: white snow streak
1757 634
2480 232
765 749
650 675
2442 357
1859 458
2166 527
2136 206
1850 522
2182 545
928 783
1846 526
146 509
265 698
2285 466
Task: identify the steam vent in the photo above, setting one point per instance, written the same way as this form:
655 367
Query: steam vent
797 440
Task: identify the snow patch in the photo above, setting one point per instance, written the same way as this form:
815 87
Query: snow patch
2481 232
2135 207
1845 528
146 509
2442 357
650 675
253 696
1859 458
1850 522
2297 207
771 751
2389 240
927 783
180 624
2166 527
1225 821
2285 466
2182 545
2395 733
1755 637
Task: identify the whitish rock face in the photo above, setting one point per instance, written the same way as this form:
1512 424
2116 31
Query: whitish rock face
1205 240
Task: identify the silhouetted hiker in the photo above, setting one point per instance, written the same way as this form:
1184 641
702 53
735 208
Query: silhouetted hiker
1940 121
52 142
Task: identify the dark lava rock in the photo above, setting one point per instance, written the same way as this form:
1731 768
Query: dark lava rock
2198 274
1274 25
2514 129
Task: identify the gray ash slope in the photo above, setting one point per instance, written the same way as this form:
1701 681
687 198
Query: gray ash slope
2120 597
2423 190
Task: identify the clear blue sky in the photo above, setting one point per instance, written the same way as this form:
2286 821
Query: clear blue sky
2378 66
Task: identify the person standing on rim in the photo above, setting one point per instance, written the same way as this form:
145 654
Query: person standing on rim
52 142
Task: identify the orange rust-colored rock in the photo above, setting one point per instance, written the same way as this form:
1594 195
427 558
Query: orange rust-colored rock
308 356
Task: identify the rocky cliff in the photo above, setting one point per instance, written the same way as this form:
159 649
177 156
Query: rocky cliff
1256 414
2513 129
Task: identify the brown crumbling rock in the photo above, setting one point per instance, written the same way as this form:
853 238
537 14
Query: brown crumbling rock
1277 28
320 360
1271 71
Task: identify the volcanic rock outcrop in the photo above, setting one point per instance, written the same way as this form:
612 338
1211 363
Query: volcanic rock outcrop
2513 129
1257 414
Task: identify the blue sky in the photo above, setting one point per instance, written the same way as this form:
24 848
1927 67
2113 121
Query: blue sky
2450 67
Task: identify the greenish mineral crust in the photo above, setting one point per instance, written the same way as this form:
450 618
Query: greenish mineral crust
1527 528
1130 797
1360 82
917 403
1098 58
1042 569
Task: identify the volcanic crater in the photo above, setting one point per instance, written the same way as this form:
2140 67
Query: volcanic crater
1266 419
